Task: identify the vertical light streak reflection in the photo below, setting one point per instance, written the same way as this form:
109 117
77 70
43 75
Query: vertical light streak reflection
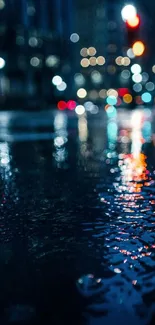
83 128
136 134
61 138
4 156
5 169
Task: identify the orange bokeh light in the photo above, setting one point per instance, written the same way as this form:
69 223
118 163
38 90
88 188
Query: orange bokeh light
138 48
134 22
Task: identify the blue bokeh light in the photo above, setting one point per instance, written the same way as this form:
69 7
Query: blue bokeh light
111 100
146 97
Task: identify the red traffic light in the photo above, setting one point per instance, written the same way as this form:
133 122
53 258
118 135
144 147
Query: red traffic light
134 22
62 105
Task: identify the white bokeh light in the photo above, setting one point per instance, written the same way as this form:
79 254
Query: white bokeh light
57 80
137 78
52 61
2 63
62 86
136 69
128 12
80 109
130 54
81 93
74 38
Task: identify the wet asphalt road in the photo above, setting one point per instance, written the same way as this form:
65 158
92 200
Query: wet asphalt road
77 197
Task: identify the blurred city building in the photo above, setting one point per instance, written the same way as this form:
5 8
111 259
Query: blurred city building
35 46
55 51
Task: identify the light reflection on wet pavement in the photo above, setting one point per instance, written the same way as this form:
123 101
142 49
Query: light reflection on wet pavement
78 198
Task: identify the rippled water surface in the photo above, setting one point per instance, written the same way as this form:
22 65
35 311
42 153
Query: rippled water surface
77 219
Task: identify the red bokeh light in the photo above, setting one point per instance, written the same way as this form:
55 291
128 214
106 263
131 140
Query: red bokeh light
139 100
71 105
123 91
62 105
119 101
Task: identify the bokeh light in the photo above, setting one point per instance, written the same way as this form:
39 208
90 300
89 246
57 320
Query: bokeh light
80 109
74 38
133 22
79 79
150 86
153 69
62 105
130 54
146 97
93 94
137 87
2 63
137 78
138 100
91 51
125 61
136 69
138 48
83 52
92 61
52 61
112 92
125 74
88 106
145 77
33 42
2 4
128 12
100 60
57 80
127 98
62 86
35 61
123 91
71 104
119 60
81 93
111 100
103 93
85 63
94 110
96 77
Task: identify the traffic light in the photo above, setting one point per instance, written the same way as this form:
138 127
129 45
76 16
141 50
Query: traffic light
132 26
133 22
